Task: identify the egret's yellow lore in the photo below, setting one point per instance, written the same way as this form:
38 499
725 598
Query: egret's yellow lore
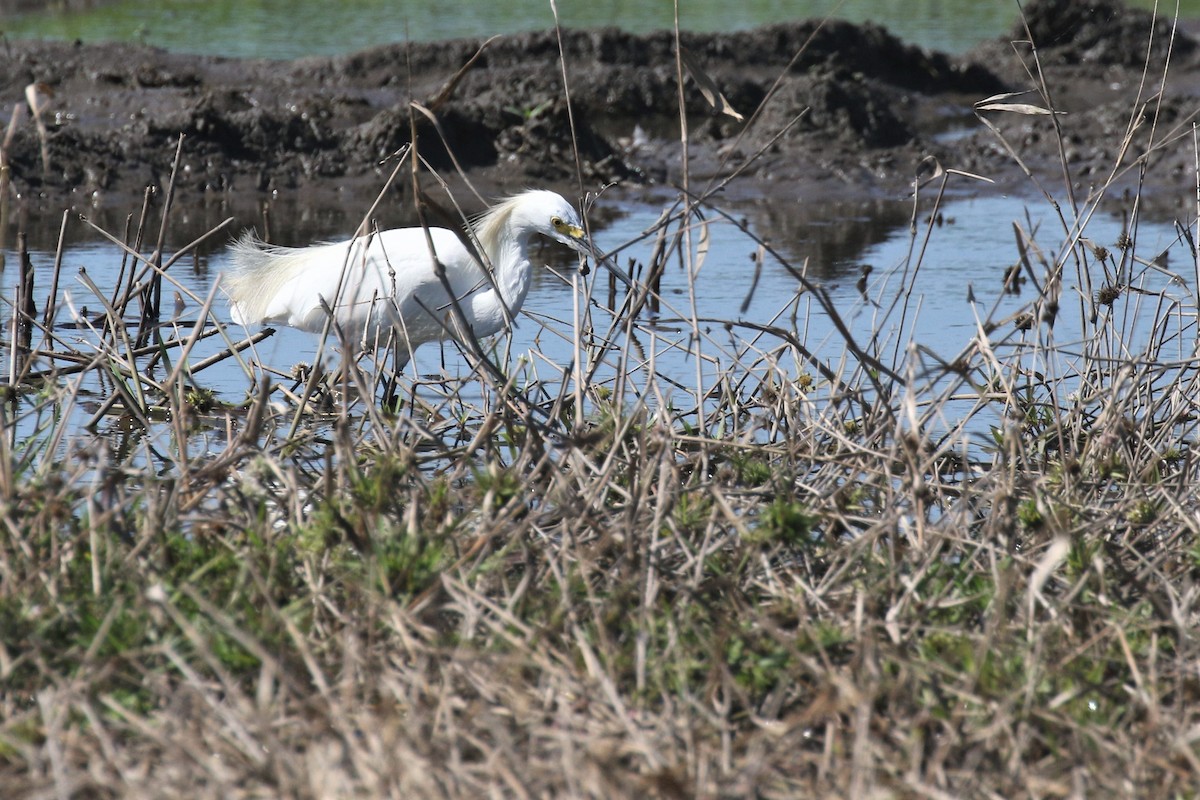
386 282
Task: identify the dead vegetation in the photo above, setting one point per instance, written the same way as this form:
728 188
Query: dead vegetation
871 571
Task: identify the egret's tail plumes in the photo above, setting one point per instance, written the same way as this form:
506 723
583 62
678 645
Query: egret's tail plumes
259 274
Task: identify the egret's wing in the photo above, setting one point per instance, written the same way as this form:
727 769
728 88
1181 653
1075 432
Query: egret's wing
403 267
386 279
401 288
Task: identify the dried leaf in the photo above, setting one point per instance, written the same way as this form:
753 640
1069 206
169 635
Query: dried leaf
1001 98
929 169
971 175
38 96
1055 554
998 102
1017 108
701 248
707 86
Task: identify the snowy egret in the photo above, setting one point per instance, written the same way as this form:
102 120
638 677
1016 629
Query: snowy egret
387 281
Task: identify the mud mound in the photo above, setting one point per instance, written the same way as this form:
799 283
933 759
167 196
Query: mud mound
268 126
1099 32
856 108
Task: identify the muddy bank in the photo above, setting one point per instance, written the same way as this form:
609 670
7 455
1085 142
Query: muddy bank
858 113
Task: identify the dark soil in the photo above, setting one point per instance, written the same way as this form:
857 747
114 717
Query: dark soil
858 113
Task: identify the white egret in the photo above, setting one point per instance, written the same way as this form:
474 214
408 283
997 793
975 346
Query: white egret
386 281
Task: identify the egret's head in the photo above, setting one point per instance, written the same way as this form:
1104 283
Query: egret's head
551 215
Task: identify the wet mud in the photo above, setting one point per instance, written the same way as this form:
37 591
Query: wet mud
831 112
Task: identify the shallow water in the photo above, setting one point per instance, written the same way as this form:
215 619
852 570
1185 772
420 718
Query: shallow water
964 251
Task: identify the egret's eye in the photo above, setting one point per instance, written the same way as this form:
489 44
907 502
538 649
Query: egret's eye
556 222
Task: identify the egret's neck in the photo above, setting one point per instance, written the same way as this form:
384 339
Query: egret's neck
513 272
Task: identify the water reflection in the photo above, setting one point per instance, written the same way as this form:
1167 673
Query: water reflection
831 237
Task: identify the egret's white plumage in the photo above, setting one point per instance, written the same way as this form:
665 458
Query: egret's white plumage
386 281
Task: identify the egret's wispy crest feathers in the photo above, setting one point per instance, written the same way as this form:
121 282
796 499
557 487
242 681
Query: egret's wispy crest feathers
490 226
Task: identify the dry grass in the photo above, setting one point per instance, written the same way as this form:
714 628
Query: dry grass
814 581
